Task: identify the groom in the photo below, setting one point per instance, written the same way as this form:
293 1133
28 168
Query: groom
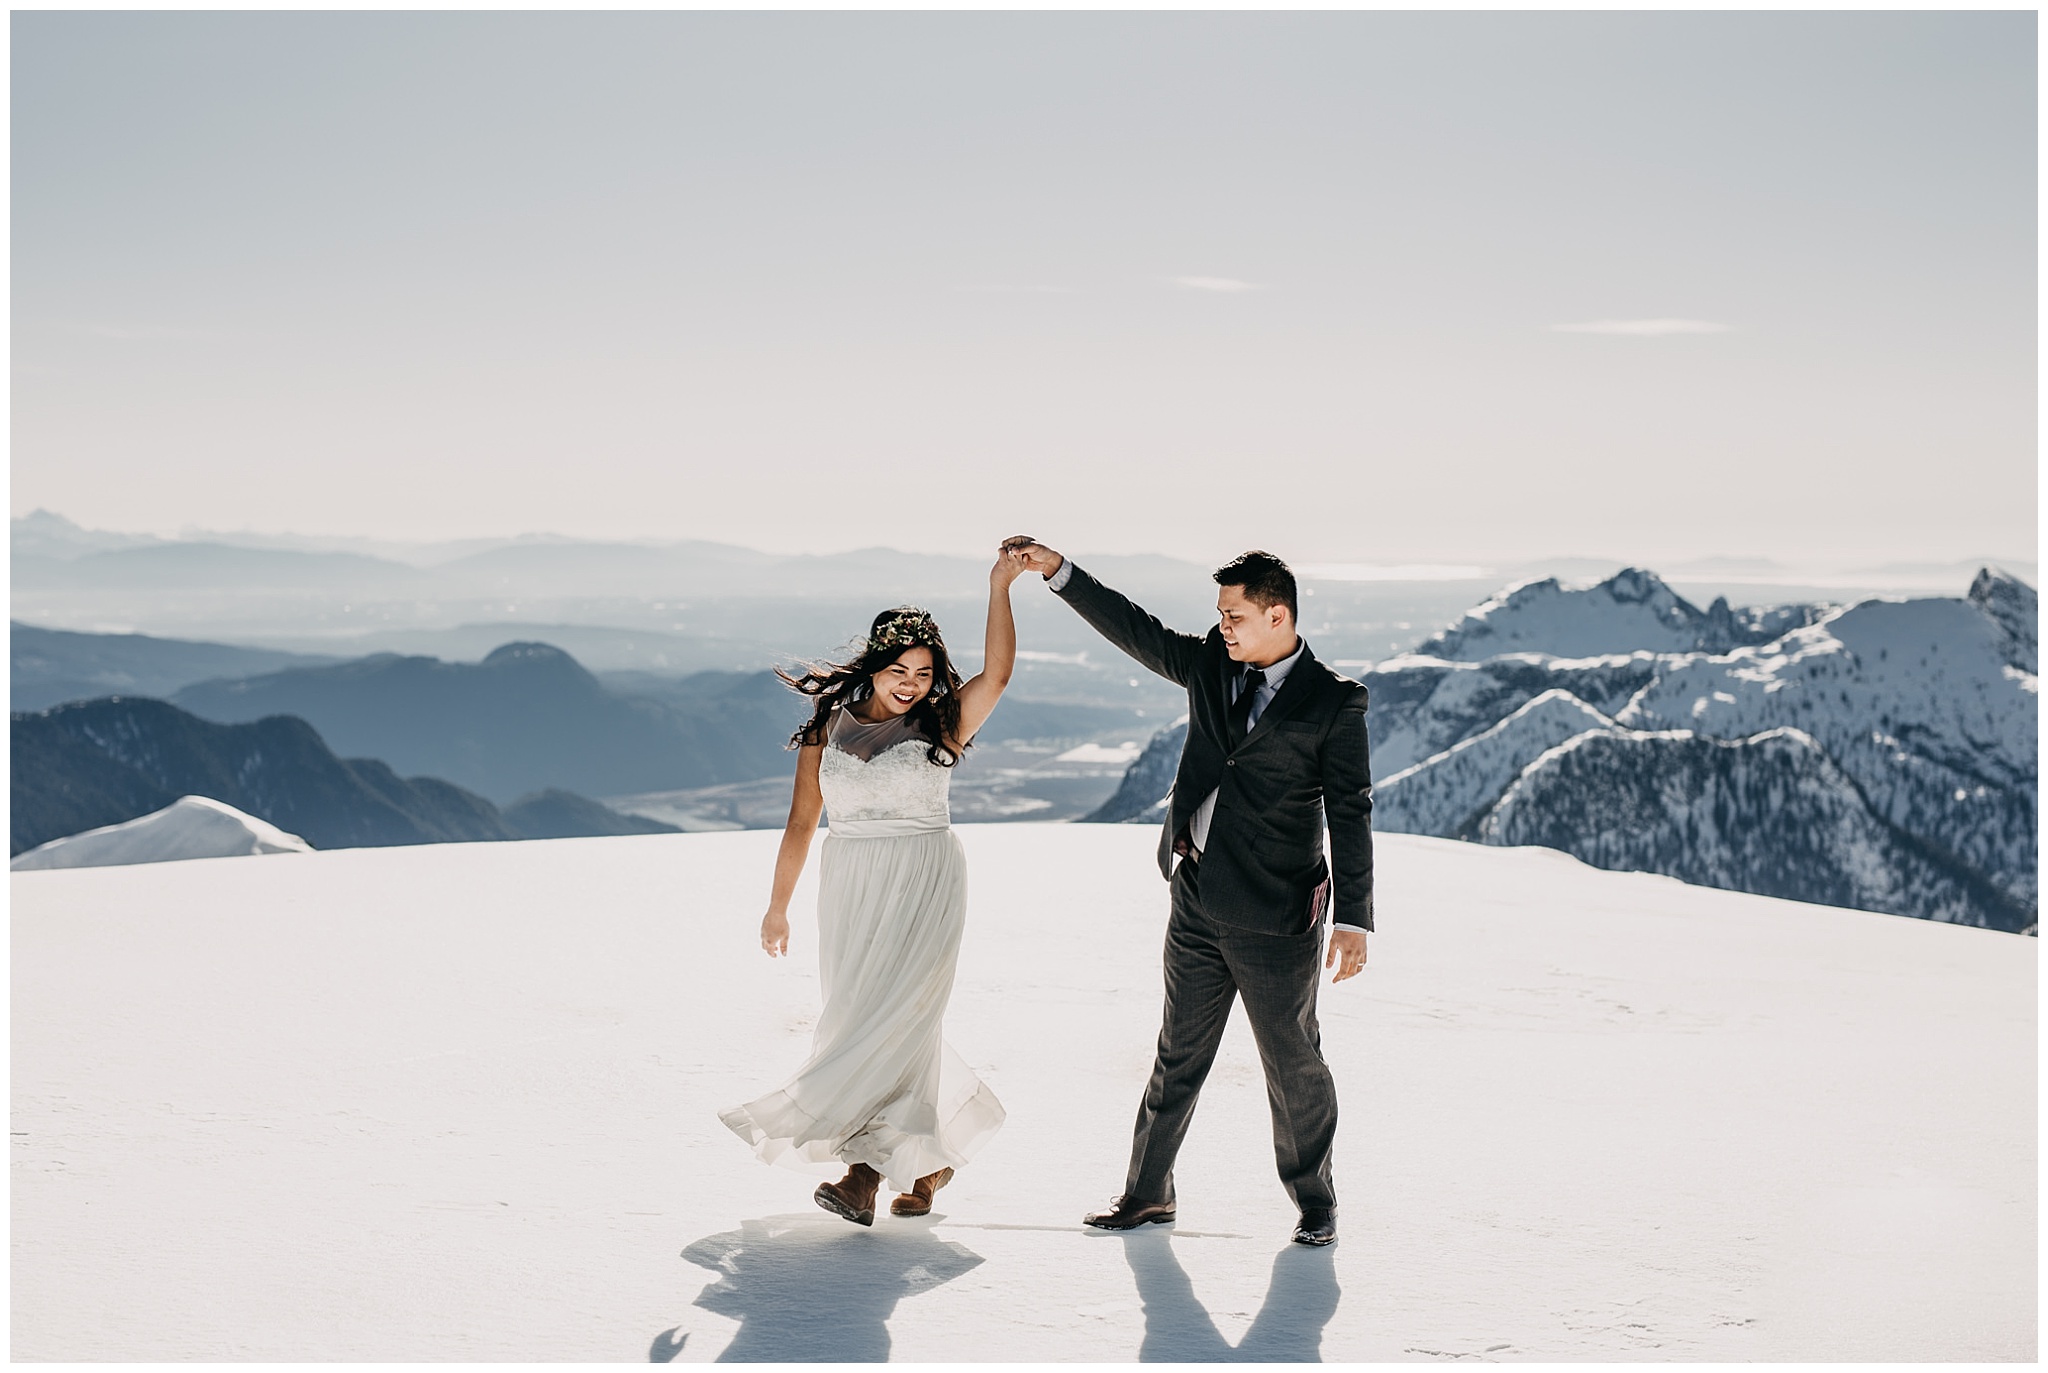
1276 743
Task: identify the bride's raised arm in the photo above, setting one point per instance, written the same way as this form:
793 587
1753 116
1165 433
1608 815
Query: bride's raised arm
979 695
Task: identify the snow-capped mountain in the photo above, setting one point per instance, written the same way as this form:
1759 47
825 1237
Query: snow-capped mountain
1438 796
1631 610
1423 706
190 827
1770 813
1881 755
1916 702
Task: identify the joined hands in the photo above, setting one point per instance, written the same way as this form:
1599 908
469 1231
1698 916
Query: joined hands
1010 564
1035 555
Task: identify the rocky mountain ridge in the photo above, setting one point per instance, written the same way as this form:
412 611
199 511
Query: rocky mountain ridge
1633 610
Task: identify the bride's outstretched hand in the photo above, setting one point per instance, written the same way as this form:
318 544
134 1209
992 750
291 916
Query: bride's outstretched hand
775 933
1010 565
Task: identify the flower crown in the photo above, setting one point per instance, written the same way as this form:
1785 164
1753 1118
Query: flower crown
907 628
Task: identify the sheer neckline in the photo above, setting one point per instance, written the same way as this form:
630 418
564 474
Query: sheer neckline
866 739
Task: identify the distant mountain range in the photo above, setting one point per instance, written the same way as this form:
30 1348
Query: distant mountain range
87 764
1631 611
1881 755
679 606
528 728
50 666
528 716
1897 737
52 554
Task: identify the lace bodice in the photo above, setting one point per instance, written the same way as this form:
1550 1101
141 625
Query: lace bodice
880 772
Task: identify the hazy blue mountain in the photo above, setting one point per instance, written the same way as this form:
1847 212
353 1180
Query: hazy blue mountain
603 648
155 570
65 780
46 534
50 666
263 587
598 568
91 763
665 607
555 814
528 717
1015 718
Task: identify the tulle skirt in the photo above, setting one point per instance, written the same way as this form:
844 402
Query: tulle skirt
882 1086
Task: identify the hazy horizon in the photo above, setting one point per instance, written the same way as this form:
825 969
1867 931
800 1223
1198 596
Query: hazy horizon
1371 288
1333 570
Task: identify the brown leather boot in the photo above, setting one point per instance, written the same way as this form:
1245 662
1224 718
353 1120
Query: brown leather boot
853 1196
918 1200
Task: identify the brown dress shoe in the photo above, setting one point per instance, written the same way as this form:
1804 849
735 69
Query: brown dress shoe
918 1200
853 1196
1128 1213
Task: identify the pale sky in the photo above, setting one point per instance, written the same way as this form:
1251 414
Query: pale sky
1357 287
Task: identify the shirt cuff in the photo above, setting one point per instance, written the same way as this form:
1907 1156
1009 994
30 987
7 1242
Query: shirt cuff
1060 578
1355 929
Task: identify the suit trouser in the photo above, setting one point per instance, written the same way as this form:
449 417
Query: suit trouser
1208 966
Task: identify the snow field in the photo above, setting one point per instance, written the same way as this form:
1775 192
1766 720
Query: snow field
458 1102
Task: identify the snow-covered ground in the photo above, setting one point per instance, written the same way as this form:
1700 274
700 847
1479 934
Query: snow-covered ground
458 1102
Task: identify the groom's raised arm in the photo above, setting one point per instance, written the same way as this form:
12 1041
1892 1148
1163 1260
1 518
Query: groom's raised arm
1168 652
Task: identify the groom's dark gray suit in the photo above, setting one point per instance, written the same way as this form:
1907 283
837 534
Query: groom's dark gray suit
1248 910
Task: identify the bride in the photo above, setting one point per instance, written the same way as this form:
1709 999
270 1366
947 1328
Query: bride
882 1091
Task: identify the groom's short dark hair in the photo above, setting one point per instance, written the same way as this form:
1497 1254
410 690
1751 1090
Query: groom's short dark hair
1266 580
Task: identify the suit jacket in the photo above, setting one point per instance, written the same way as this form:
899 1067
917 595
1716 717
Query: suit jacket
1305 760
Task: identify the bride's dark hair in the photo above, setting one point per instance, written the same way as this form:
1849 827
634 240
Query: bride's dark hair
894 632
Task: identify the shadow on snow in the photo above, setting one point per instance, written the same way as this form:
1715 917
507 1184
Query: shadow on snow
809 1289
1301 1296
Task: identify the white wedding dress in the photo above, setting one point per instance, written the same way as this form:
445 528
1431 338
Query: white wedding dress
882 1086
